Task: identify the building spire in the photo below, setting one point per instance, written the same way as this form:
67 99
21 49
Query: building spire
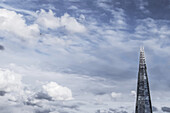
141 48
142 56
143 99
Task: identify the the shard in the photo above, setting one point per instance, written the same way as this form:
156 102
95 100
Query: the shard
143 99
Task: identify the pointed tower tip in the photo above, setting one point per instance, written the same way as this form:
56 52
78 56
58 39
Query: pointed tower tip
142 49
142 55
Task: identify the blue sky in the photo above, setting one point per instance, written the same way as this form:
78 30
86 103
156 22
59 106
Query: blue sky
81 56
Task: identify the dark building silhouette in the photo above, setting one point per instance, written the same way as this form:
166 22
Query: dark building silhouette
143 99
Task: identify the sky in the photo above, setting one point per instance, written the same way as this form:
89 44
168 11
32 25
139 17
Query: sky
82 56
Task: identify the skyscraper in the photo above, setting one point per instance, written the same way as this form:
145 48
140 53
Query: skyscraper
143 99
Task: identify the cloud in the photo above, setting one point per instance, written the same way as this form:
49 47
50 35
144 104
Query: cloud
42 95
73 7
165 109
54 112
57 41
57 92
2 47
153 34
8 7
14 25
2 93
151 28
9 81
133 93
108 41
35 99
112 110
142 5
48 20
116 95
154 109
119 19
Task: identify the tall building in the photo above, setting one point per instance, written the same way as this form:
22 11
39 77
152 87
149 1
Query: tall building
143 99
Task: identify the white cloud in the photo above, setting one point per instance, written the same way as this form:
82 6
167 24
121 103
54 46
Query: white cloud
48 20
73 7
9 81
133 93
57 92
116 95
14 24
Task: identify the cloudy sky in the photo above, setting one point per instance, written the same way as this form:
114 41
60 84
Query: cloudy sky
81 56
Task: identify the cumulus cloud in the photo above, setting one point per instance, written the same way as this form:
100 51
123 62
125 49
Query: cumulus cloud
86 55
12 87
48 20
9 81
14 24
57 92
